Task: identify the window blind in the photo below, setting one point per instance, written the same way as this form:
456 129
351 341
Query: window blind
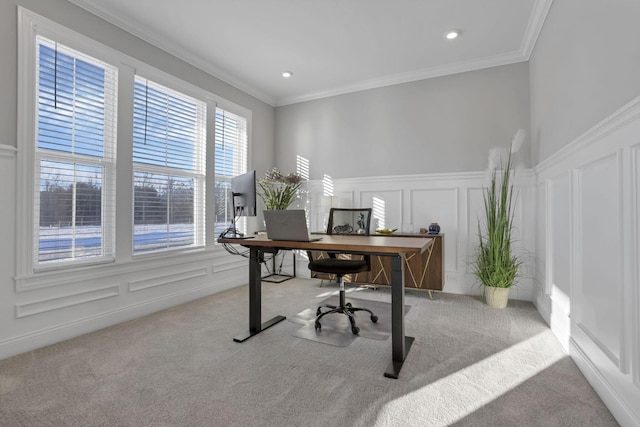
231 146
75 156
169 168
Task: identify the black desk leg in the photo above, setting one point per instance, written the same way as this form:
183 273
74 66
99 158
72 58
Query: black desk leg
255 298
400 344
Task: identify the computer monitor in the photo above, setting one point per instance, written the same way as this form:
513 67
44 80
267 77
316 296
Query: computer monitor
243 191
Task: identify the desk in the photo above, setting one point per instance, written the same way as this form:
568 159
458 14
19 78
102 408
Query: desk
396 248
423 271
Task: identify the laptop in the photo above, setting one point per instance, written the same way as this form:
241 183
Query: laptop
290 224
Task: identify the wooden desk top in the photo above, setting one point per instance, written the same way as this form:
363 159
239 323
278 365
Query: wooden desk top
383 245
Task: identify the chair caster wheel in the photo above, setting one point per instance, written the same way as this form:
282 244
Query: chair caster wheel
348 305
318 326
374 318
355 330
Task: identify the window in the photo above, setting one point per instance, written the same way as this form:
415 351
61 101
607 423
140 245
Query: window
168 168
69 182
230 160
74 156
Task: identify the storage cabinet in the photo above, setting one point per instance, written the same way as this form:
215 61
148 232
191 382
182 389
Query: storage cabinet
422 271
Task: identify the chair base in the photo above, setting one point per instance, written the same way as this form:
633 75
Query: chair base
344 308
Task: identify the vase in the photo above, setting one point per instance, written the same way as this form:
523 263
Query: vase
434 228
496 297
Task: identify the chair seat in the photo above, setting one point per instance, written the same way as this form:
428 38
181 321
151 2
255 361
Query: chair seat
338 266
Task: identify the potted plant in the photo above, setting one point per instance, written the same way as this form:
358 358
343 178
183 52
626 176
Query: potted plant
496 266
279 191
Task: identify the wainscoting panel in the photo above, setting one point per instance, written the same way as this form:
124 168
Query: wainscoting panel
441 206
559 253
162 280
65 301
473 214
599 288
634 294
453 200
541 290
589 269
386 205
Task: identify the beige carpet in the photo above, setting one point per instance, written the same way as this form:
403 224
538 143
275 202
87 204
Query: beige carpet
470 365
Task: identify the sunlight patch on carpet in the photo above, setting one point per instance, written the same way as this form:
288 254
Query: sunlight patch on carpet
456 396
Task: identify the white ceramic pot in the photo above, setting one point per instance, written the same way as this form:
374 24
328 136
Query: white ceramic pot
496 297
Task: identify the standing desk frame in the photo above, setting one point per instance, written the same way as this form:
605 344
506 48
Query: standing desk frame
397 248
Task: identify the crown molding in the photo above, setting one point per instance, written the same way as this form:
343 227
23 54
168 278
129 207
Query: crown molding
173 49
534 27
411 76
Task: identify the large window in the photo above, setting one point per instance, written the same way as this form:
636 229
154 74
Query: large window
74 156
230 160
169 168
80 102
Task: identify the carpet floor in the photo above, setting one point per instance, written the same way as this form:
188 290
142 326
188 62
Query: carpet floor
470 365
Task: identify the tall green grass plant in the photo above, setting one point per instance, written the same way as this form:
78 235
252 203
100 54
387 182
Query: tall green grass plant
496 265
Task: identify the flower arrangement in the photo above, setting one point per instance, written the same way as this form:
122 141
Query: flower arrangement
278 190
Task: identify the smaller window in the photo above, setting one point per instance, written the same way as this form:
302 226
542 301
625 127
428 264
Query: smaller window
231 146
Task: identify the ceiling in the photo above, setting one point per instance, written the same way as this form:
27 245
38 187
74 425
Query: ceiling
331 46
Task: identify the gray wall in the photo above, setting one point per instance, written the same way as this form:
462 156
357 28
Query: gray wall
585 66
445 124
79 20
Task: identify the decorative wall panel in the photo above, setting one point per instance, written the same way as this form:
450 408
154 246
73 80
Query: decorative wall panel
591 272
386 205
598 291
441 206
453 200
559 238
151 282
65 301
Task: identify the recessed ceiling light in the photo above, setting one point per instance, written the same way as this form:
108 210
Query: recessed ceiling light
453 34
287 74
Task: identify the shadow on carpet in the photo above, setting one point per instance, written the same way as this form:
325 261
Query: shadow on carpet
336 329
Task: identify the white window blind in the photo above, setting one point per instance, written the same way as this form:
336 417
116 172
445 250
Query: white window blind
74 156
169 168
231 145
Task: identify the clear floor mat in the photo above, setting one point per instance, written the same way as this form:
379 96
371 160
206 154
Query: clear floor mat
336 329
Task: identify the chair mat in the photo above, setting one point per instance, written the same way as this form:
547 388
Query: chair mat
336 329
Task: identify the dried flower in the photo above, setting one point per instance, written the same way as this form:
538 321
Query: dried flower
278 190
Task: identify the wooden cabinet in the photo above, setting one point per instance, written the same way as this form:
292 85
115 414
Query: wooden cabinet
422 271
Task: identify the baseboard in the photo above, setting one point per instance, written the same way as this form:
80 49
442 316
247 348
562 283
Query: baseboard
44 337
622 412
543 305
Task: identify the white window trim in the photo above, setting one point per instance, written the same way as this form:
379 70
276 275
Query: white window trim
31 24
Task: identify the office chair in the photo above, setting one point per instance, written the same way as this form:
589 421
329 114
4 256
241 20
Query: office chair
344 221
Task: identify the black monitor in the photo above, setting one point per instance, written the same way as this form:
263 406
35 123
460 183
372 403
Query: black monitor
243 191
